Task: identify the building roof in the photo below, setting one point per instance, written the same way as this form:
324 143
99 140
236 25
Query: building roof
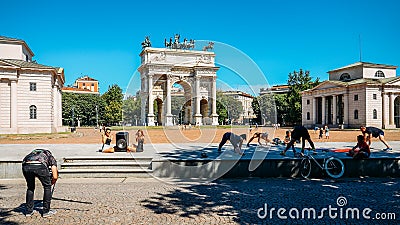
78 90
85 78
9 40
371 81
364 64
25 64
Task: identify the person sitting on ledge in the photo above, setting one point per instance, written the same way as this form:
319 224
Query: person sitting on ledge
259 135
236 141
106 141
361 150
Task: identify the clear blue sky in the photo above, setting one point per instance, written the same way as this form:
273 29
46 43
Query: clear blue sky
102 38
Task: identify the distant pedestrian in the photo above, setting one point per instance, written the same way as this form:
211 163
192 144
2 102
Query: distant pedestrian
321 133
236 141
376 133
326 132
37 164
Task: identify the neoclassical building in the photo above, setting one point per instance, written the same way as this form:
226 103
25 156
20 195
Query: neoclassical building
30 93
358 94
194 70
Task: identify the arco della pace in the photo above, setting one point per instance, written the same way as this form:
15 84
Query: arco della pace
194 70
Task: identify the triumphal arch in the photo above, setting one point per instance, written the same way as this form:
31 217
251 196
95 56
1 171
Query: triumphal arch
178 63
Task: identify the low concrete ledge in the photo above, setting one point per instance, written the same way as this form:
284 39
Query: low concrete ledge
213 169
11 169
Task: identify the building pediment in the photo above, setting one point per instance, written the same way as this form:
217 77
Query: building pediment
329 84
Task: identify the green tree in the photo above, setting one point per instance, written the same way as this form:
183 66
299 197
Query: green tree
131 110
298 82
82 107
264 109
113 105
228 108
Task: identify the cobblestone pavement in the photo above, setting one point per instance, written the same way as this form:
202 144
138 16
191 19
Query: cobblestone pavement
226 201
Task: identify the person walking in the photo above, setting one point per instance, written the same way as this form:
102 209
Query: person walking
299 132
37 164
376 133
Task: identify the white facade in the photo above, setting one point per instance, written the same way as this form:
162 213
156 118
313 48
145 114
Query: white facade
246 100
360 94
195 71
30 93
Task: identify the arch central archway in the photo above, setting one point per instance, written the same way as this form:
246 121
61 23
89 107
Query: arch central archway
195 71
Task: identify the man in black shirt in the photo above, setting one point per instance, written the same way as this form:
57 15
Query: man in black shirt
297 133
376 133
37 164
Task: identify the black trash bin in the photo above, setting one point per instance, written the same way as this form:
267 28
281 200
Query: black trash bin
73 129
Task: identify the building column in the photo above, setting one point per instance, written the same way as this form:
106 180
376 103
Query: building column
197 115
214 114
323 111
54 124
334 114
314 110
169 116
383 110
150 115
13 105
391 110
346 110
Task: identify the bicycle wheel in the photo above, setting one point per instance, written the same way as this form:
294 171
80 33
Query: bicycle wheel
305 167
334 167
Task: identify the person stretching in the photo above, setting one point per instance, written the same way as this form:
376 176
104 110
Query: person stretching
376 133
236 141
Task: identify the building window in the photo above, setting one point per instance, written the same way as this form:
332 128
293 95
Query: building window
344 77
375 114
308 101
32 86
84 84
374 96
355 97
308 115
379 73
356 114
32 112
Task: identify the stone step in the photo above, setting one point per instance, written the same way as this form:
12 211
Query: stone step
104 173
79 159
106 165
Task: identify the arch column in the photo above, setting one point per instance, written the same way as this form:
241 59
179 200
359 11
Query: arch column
197 116
214 114
168 115
150 115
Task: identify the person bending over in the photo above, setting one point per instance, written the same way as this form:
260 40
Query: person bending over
299 132
376 133
259 135
236 141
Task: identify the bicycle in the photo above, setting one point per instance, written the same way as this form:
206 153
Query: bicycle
334 167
